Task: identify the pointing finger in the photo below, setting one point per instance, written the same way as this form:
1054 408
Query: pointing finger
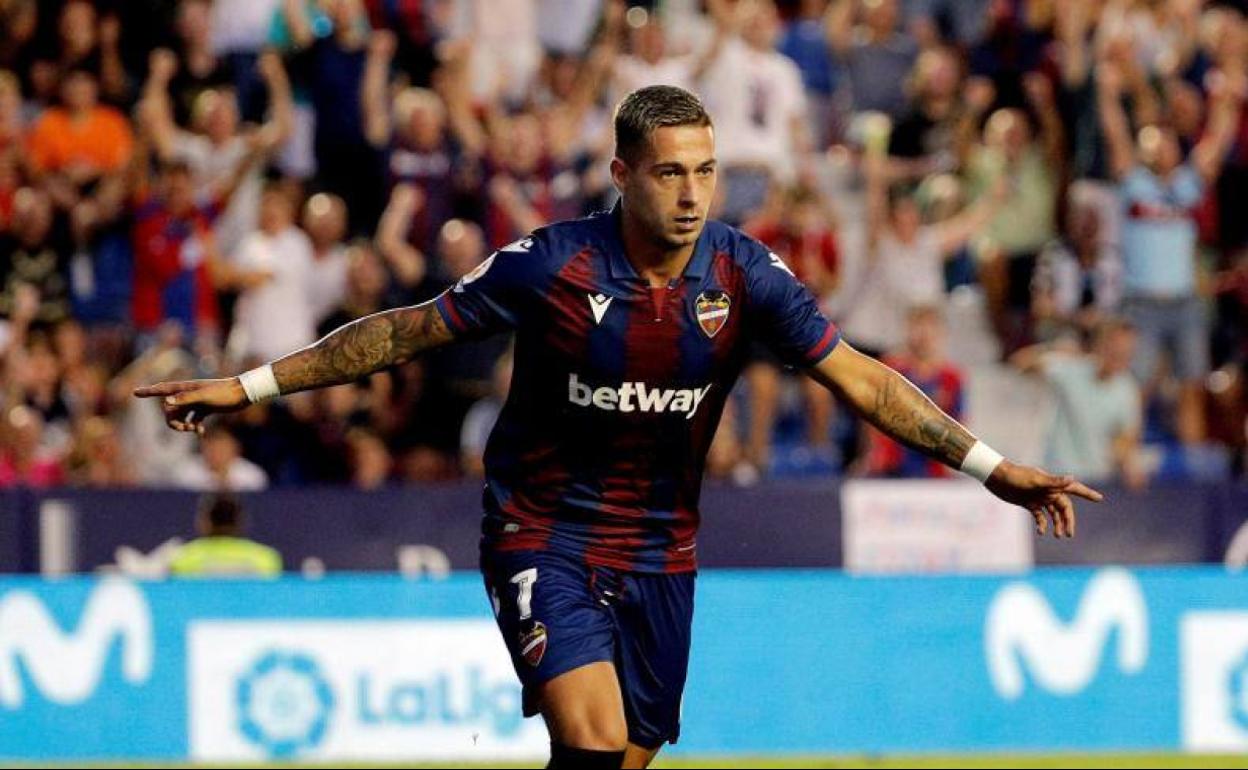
1080 489
163 389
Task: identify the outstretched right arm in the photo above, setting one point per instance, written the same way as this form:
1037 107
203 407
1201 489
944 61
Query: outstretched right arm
348 353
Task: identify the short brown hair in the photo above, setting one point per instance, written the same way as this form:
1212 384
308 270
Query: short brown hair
646 109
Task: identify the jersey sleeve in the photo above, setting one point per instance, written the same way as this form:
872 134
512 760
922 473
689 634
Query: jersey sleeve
495 296
787 316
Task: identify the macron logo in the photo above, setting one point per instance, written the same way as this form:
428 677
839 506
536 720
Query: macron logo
777 262
636 397
598 303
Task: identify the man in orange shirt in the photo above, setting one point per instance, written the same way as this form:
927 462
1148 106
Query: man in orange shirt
72 146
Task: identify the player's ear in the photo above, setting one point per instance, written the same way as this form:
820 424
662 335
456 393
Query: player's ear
619 173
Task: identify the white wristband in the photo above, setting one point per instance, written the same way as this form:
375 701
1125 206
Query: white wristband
259 384
981 461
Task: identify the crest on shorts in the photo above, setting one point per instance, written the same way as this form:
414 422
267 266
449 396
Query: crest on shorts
533 643
711 308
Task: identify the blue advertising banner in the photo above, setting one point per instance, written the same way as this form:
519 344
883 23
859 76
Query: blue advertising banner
380 668
436 527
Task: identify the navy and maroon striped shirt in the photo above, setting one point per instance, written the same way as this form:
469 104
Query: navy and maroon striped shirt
618 387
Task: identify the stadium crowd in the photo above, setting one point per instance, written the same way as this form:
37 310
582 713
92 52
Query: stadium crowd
1056 188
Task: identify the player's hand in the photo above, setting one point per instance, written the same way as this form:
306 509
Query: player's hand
1045 496
187 403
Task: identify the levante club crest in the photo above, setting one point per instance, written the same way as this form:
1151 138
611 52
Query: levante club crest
533 643
712 308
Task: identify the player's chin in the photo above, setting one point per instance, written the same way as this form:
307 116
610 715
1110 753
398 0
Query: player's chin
683 236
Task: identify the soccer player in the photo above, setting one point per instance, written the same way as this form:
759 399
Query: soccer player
631 327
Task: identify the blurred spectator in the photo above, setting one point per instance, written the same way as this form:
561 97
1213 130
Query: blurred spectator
756 96
923 141
325 222
1159 188
38 374
905 257
877 54
799 228
1014 46
524 186
1095 432
219 465
274 268
1078 280
174 254
154 449
1027 217
506 51
649 59
239 31
480 419
218 146
82 41
98 458
177 262
397 223
35 253
427 146
461 375
73 147
221 550
371 464
367 283
25 459
331 42
804 40
922 361
199 67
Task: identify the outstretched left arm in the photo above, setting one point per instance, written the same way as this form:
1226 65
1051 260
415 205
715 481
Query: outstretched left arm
889 402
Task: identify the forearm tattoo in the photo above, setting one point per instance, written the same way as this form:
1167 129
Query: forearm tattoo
362 347
903 412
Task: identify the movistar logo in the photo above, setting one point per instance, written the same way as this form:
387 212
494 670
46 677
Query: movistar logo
65 667
636 397
1022 631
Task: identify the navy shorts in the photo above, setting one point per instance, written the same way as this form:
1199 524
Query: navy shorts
557 614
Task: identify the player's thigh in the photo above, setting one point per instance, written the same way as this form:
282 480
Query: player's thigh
585 709
561 642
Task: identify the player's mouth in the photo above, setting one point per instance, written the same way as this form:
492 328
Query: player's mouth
687 224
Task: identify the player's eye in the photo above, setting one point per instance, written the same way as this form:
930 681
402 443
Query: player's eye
668 173
706 171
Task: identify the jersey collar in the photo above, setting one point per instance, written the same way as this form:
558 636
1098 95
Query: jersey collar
622 269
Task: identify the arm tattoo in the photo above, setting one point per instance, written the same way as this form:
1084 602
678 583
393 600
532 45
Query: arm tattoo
362 347
904 413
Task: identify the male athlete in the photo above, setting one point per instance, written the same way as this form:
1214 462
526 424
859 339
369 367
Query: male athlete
631 328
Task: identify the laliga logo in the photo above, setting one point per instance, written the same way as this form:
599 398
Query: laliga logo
284 703
1022 628
66 667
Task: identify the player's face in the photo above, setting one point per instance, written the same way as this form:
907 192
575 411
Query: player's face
669 189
